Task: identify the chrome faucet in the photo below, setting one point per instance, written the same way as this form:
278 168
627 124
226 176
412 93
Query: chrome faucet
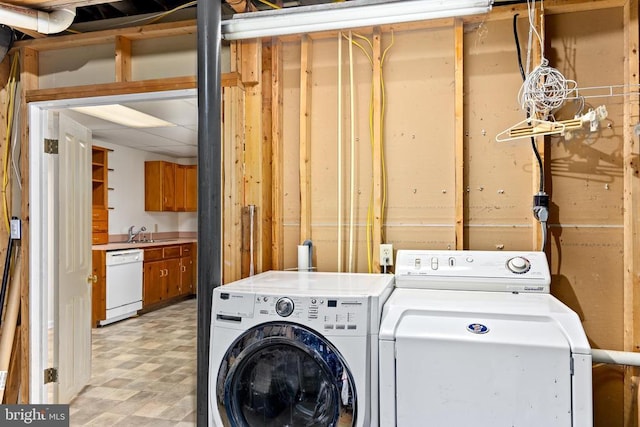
132 234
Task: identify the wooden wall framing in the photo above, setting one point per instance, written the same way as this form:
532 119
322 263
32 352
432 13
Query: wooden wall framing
458 210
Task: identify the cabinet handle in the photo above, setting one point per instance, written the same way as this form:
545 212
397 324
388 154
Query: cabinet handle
166 271
162 273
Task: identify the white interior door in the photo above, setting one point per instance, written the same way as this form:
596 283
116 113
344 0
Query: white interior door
73 317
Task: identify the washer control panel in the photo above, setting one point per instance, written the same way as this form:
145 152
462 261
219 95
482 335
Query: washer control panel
506 271
339 315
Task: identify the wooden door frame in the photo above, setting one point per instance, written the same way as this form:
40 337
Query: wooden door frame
38 238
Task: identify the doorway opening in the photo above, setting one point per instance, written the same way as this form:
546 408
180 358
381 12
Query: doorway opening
44 255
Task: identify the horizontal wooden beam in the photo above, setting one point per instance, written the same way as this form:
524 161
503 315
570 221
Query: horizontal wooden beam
122 88
109 36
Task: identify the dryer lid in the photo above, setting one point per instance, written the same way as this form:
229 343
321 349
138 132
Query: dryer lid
409 311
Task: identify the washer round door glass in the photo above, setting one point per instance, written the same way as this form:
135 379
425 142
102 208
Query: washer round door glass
280 374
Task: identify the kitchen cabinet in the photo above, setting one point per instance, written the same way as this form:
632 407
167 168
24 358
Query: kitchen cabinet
99 198
99 287
170 187
161 274
159 186
186 188
187 269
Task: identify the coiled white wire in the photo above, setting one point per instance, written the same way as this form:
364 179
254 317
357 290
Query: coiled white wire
544 90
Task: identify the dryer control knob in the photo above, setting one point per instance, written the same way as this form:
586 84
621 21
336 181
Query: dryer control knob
284 307
518 265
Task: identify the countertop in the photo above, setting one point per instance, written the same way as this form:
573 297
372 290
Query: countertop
142 245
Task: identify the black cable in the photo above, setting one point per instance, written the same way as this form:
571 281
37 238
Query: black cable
5 276
515 36
534 146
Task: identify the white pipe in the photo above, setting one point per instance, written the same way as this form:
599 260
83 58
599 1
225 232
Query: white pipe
613 357
353 154
43 22
340 152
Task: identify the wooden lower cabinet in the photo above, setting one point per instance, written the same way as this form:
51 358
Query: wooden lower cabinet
187 269
168 273
99 288
153 282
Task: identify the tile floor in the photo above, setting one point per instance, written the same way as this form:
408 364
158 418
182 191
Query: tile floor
143 372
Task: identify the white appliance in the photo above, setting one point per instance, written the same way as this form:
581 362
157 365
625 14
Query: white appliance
472 338
124 284
296 349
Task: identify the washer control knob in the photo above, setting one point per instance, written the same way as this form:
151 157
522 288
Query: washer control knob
518 265
284 307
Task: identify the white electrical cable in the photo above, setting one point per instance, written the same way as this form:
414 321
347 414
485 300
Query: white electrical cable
545 89
352 183
340 243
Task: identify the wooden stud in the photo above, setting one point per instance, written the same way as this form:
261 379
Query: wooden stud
250 62
237 187
233 110
459 133
631 194
536 236
267 155
29 81
227 180
378 151
141 32
123 59
306 48
253 155
277 165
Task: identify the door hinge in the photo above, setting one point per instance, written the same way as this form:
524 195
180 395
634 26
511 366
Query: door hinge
51 146
50 375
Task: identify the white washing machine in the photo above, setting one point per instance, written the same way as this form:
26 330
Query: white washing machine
296 349
472 338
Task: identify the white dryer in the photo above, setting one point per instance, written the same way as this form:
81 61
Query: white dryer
473 338
296 349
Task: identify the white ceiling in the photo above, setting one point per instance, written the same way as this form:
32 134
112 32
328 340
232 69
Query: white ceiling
177 141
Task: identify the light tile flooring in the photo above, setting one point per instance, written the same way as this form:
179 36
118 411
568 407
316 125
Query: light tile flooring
143 372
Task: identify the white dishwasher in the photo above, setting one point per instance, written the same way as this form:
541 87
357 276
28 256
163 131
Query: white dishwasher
124 284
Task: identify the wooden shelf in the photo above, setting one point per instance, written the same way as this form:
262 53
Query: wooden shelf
100 222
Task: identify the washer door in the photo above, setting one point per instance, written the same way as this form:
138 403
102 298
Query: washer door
281 374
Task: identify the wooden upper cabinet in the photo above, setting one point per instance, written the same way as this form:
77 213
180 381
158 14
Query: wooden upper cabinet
159 186
170 187
191 192
180 188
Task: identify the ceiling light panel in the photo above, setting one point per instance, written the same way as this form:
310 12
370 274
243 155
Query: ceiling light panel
124 116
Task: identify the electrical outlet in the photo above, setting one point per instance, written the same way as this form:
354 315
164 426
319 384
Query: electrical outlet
386 254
